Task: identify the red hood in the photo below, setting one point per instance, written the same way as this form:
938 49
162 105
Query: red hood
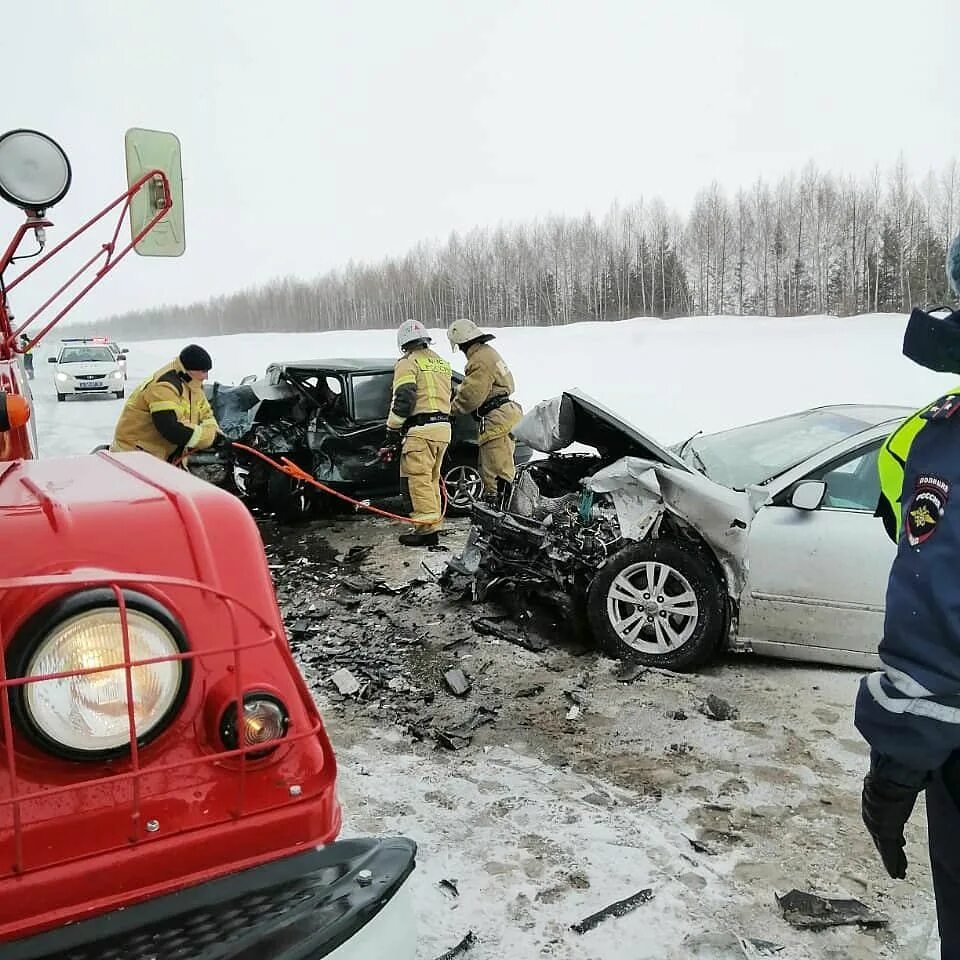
128 513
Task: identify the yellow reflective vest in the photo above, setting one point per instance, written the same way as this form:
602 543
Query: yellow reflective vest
891 460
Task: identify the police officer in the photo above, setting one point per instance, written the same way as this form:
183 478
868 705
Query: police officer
27 355
486 393
168 414
419 427
909 712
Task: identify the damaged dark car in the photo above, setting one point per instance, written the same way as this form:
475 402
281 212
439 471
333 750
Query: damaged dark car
328 417
761 538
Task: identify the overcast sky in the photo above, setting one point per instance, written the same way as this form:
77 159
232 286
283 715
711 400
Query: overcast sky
318 132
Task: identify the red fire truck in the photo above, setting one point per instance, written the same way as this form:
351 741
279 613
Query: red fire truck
167 788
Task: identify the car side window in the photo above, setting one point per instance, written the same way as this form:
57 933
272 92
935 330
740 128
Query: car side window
852 483
372 394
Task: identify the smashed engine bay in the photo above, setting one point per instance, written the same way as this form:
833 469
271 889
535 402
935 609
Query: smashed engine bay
570 512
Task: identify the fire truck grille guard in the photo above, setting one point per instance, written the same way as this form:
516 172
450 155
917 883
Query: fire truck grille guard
130 770
308 904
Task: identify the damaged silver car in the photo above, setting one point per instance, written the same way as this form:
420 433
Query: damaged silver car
759 538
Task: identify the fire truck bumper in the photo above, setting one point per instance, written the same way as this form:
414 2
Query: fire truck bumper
345 901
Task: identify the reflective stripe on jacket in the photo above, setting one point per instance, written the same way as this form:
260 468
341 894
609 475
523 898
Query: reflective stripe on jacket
170 388
421 385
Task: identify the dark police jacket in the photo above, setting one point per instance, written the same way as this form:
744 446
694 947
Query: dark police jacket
910 711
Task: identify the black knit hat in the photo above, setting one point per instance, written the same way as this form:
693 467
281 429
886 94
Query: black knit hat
195 358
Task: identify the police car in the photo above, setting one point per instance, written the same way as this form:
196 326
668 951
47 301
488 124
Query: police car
87 366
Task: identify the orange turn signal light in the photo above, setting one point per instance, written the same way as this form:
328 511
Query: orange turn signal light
14 411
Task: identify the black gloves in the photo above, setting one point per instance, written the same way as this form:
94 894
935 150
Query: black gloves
886 808
391 446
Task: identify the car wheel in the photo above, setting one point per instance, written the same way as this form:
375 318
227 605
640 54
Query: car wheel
61 397
119 394
659 604
289 499
463 485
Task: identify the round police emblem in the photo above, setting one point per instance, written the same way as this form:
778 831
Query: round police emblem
926 509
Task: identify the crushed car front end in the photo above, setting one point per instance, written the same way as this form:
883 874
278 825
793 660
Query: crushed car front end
649 555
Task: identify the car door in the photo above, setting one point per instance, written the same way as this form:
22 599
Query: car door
818 578
371 394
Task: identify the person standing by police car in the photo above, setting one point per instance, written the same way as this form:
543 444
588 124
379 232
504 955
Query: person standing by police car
909 712
486 392
418 427
27 351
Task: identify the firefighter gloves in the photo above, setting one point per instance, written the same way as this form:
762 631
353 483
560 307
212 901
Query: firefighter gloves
391 447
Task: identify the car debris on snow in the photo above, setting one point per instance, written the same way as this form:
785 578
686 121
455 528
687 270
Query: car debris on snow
461 948
492 628
716 708
461 735
345 682
618 909
700 846
811 912
759 948
457 682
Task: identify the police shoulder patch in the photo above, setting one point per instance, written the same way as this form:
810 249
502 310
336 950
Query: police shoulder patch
926 509
944 408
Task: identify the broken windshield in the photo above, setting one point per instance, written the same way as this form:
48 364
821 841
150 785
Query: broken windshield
760 451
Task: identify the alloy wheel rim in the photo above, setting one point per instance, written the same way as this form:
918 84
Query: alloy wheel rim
464 485
652 608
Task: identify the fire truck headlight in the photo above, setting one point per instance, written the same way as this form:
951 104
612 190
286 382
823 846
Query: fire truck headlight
34 170
91 711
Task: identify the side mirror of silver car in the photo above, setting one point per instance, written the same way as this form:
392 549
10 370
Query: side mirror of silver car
808 494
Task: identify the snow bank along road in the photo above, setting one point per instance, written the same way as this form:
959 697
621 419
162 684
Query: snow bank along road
545 820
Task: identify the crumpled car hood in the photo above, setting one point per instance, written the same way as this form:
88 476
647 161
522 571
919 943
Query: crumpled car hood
236 407
642 489
575 417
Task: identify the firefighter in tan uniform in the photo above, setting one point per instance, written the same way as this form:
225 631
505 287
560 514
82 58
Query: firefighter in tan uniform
486 393
168 414
419 426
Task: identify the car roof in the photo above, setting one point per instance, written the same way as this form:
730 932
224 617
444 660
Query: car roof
871 414
339 365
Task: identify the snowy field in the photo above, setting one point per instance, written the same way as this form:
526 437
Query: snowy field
670 377
539 837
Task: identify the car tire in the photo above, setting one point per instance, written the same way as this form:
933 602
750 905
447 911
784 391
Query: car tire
288 499
119 394
463 485
61 397
676 627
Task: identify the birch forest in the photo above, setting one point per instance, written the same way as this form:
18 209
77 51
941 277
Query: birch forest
813 243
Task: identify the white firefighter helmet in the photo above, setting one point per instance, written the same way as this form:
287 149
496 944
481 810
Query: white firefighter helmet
464 331
410 331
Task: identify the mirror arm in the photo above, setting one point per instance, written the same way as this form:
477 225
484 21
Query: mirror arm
107 249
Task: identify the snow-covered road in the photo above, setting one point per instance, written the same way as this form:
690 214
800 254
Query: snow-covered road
537 841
